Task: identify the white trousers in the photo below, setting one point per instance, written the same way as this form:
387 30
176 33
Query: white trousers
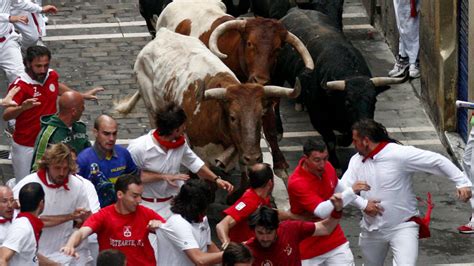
21 160
10 57
31 32
341 255
402 240
408 29
163 209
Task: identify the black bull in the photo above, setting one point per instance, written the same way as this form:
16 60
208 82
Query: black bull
335 105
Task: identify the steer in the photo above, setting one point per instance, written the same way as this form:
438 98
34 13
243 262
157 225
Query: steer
224 115
248 47
341 90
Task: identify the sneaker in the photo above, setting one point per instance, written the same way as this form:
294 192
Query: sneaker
400 67
467 228
414 71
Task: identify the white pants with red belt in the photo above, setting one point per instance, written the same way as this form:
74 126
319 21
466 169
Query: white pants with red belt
10 56
32 32
401 240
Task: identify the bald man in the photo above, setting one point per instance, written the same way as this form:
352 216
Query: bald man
105 161
7 203
63 127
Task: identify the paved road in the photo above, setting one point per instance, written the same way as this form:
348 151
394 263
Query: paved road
95 43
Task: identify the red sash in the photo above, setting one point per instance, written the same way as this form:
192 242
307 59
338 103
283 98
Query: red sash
424 222
413 12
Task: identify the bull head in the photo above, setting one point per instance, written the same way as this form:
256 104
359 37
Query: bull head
260 43
244 107
360 94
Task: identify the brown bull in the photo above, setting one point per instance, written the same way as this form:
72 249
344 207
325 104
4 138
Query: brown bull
223 114
249 47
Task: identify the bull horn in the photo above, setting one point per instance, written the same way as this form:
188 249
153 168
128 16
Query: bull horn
215 93
385 81
299 46
277 91
339 85
228 25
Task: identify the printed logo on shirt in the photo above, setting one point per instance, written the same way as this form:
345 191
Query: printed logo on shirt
52 88
288 250
267 263
126 243
127 232
240 206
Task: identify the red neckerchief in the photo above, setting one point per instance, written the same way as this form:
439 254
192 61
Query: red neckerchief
3 220
42 176
35 222
374 152
413 8
169 144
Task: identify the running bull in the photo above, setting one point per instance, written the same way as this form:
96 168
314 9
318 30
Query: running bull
248 47
341 90
224 115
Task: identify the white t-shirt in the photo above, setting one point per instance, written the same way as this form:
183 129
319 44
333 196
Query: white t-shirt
151 157
58 201
21 239
4 230
389 175
178 235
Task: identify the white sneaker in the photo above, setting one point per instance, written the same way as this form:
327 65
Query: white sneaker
400 67
414 71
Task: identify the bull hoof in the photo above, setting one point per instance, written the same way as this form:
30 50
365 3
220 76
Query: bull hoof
283 174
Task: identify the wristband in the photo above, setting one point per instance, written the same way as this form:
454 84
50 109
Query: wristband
336 214
217 178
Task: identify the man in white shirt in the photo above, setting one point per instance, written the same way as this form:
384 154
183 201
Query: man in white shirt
10 54
185 238
66 200
387 167
21 244
7 203
159 155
